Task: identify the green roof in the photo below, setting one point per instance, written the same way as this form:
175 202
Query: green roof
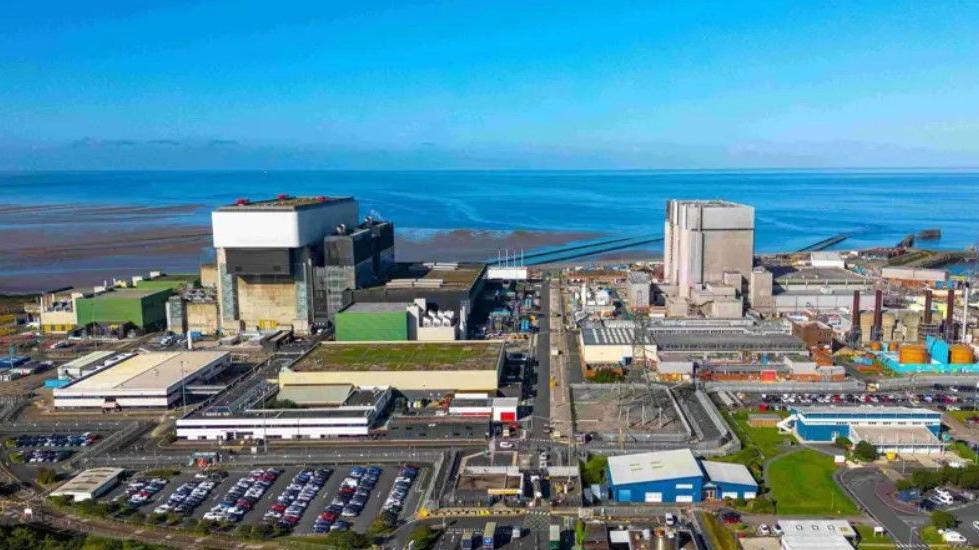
128 294
468 355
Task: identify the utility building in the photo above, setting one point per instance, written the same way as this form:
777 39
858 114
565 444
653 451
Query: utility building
899 429
676 476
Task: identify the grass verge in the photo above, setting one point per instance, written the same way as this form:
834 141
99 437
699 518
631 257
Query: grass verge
802 484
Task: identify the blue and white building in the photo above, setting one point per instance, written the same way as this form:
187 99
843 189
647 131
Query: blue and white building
897 429
676 476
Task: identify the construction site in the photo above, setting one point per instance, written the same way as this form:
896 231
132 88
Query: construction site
632 413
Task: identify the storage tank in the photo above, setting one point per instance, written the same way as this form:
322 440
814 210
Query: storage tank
960 354
665 539
913 354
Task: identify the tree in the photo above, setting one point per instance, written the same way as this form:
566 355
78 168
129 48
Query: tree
423 537
379 526
903 484
593 471
46 476
943 520
346 540
842 442
606 376
865 452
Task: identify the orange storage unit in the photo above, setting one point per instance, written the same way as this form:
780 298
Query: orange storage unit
913 354
960 354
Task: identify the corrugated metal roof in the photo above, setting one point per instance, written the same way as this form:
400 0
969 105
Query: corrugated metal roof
725 472
156 370
653 466
316 395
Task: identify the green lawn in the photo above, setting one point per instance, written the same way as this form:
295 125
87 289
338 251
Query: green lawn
768 440
869 542
963 416
802 484
964 451
758 444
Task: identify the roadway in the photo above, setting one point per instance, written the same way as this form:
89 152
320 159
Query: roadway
862 484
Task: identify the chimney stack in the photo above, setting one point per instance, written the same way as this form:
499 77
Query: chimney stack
855 320
928 306
950 316
875 332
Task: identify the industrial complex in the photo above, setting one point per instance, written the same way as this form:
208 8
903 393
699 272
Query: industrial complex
643 403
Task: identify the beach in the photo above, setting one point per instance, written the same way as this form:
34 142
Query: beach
76 228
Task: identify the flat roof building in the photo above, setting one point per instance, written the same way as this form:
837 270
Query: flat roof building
343 412
826 423
146 380
143 308
91 483
460 365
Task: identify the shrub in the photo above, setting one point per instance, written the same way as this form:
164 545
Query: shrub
865 452
843 443
943 520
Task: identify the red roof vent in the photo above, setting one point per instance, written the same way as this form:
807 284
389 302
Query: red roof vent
281 197
242 202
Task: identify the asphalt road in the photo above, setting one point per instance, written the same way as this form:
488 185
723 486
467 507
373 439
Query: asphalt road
542 403
861 483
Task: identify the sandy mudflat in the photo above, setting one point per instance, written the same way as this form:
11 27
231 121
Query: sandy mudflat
54 246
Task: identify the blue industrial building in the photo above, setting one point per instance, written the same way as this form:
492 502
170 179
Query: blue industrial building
676 476
825 424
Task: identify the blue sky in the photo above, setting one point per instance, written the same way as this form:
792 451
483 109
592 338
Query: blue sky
424 85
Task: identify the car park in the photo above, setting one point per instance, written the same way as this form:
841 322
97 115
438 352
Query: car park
40 456
140 491
291 504
55 440
186 497
243 496
394 503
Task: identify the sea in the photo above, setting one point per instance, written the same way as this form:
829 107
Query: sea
794 208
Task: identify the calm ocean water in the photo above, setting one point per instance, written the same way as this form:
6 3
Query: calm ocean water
793 208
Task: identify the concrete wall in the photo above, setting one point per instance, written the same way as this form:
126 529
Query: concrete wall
266 299
209 275
202 317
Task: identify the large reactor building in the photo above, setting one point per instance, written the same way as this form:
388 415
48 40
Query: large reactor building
288 261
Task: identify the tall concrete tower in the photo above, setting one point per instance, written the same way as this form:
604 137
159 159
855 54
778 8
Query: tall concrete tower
703 239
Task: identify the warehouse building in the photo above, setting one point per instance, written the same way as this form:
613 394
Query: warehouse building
461 365
91 483
817 534
339 411
380 322
148 380
825 424
676 476
614 341
818 289
143 309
